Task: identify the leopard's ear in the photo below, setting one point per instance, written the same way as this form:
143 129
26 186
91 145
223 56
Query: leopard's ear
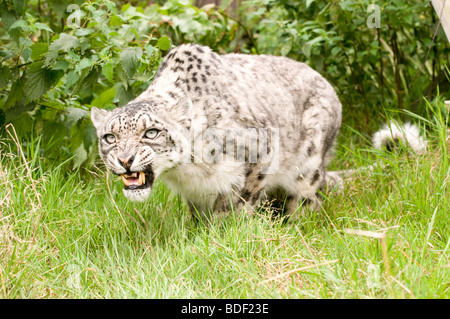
98 117
182 110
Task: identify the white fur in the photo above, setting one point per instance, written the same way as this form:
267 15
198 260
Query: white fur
202 183
407 133
137 195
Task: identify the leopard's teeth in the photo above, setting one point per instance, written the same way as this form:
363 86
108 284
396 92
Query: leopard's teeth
137 178
125 180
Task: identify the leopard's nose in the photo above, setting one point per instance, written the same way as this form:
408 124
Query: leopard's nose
126 160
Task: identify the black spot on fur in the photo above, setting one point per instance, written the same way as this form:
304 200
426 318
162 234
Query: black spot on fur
289 197
310 149
315 176
163 66
328 141
390 145
246 194
306 201
177 68
173 95
170 55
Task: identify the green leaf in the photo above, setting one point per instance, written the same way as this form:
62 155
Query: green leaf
84 63
63 43
5 76
81 140
123 95
16 94
223 4
72 56
61 65
83 32
87 79
104 98
336 50
71 78
73 115
149 49
122 77
115 20
129 59
80 156
38 80
347 5
26 53
21 24
8 17
38 50
108 72
308 3
90 136
20 6
43 26
164 43
92 77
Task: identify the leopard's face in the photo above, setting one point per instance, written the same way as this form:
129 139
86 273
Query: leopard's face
138 146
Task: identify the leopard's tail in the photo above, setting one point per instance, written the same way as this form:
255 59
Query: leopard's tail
393 134
387 138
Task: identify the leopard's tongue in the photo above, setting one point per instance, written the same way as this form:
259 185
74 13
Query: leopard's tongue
135 179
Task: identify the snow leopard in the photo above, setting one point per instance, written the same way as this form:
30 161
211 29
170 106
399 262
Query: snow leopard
229 132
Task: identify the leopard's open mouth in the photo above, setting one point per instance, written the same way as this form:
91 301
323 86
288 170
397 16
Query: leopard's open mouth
138 180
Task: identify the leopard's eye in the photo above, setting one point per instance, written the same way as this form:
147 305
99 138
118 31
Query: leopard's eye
151 133
109 138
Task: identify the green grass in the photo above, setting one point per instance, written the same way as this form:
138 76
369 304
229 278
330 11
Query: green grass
83 239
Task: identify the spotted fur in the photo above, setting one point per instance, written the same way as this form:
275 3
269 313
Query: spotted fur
225 103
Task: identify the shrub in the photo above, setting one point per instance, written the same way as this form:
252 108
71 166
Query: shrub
61 58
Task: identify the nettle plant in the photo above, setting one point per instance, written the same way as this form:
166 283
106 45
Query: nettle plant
375 53
59 60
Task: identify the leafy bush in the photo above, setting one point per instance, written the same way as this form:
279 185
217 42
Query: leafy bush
102 55
392 66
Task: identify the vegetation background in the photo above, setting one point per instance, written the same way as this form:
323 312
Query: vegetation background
63 234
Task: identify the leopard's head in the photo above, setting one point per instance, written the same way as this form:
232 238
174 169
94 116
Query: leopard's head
139 144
